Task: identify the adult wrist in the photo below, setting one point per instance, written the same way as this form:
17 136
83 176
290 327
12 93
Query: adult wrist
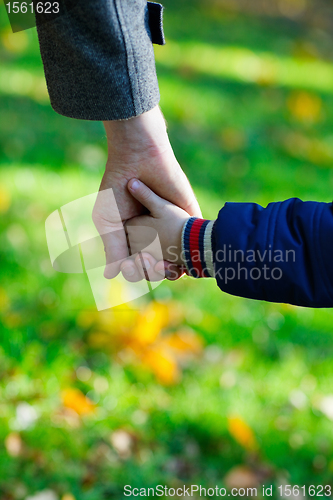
197 248
137 134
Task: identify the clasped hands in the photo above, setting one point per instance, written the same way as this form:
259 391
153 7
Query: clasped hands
139 149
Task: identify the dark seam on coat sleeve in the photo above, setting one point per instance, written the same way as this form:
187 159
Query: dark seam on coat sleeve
155 22
130 53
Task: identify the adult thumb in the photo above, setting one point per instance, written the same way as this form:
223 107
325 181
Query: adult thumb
146 196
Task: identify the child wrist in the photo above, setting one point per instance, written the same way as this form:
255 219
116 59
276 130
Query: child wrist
197 247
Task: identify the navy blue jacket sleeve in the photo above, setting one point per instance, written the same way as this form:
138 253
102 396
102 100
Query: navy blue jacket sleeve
281 253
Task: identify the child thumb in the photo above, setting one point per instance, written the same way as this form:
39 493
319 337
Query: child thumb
145 196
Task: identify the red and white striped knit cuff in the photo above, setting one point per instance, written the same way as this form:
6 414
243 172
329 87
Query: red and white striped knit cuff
197 247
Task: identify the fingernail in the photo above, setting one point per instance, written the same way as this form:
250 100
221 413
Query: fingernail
135 185
128 270
161 272
146 264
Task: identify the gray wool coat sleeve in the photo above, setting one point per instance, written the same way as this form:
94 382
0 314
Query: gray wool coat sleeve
98 58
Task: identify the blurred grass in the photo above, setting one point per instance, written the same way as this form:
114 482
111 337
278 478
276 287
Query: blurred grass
210 389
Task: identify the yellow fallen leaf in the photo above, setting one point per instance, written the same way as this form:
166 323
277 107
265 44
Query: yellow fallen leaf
185 342
119 320
77 401
242 432
85 319
150 323
68 496
14 42
305 107
5 200
162 364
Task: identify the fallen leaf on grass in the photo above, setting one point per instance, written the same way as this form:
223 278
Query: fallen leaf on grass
77 401
242 433
162 364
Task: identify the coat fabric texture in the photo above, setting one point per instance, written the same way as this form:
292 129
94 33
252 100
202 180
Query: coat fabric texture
98 57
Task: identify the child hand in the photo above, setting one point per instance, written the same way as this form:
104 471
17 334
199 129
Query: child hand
165 221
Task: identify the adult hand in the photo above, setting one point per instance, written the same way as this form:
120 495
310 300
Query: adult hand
138 148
